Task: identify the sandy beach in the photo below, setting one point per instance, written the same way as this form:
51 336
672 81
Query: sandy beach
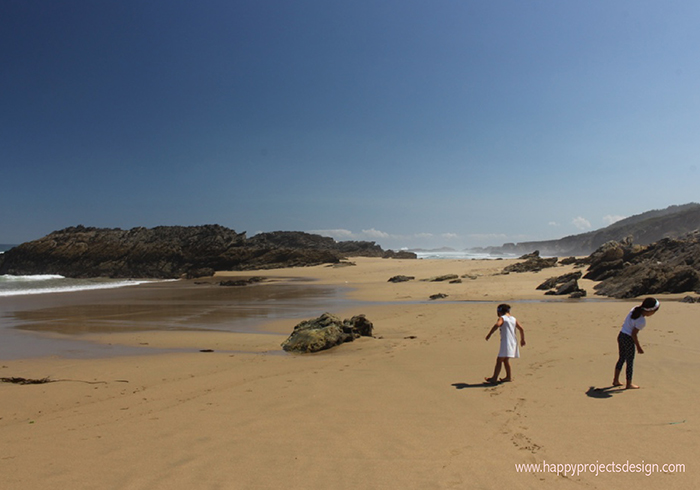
403 410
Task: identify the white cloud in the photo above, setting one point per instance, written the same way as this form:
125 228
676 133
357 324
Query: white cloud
341 234
449 236
553 223
372 233
338 234
581 223
423 235
610 219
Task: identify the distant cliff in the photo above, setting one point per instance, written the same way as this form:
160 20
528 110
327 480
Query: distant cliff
173 252
645 228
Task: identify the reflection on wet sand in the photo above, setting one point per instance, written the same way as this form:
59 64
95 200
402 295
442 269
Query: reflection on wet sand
183 305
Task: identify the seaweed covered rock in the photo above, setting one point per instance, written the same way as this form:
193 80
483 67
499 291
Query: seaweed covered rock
325 332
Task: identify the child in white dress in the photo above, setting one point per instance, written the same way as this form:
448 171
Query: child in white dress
507 325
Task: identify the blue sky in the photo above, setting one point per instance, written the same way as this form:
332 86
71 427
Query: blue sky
414 124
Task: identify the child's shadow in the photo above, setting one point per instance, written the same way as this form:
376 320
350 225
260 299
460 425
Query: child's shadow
606 392
483 384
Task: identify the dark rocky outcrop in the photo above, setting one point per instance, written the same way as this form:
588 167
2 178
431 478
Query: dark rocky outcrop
172 252
325 332
563 285
401 254
445 277
533 263
401 278
569 287
626 270
309 241
242 282
553 282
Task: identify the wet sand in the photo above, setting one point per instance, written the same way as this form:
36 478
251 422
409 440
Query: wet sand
404 410
60 323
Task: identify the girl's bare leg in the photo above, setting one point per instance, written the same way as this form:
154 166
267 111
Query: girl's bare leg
506 363
496 371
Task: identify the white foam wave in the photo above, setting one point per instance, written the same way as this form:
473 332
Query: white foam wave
63 285
33 278
458 255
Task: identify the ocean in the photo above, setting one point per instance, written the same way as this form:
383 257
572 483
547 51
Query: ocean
460 255
39 284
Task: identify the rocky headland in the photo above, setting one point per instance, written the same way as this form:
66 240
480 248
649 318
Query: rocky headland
169 252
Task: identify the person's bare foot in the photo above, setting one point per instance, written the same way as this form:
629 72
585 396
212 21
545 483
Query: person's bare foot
491 381
631 386
505 380
617 383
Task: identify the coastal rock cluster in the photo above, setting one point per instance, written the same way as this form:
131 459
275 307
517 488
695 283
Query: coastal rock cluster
626 270
169 252
563 285
532 263
325 332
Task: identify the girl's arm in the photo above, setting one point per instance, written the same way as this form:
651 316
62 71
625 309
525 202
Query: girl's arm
522 332
636 341
495 327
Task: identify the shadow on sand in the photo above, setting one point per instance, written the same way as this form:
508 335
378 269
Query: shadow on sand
606 392
461 386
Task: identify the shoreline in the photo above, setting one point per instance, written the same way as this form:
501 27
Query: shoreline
404 409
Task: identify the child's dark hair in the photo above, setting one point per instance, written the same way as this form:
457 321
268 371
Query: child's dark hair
649 304
503 309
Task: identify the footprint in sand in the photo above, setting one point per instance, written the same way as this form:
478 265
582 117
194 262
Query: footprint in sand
521 441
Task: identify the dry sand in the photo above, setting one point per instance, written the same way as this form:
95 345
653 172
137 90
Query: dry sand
404 410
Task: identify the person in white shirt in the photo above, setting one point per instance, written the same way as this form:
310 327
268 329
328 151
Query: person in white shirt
627 339
507 325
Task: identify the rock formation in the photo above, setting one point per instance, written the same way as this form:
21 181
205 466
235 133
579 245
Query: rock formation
553 282
626 270
533 263
172 252
401 278
325 332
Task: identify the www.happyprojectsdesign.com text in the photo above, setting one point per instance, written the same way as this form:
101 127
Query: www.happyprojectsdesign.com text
576 469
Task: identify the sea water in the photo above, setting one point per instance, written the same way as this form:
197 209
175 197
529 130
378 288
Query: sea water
175 307
460 255
48 283
11 285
